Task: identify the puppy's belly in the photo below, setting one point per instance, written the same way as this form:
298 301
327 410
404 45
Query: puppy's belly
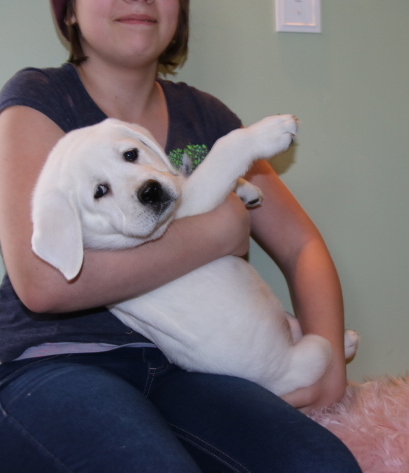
221 318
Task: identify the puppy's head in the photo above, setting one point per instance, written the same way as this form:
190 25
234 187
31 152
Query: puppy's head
106 186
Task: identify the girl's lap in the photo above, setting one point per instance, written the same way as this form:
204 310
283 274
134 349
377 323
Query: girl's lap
130 409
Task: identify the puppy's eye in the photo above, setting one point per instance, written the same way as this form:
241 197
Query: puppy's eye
131 155
101 190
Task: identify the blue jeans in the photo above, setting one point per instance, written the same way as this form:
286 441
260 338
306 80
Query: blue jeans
129 410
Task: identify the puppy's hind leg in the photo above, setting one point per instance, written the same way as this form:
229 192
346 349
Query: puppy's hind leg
351 338
309 359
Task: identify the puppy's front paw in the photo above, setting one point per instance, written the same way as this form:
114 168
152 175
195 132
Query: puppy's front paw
250 194
276 133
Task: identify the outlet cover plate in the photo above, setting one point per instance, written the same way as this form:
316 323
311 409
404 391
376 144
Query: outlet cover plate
298 16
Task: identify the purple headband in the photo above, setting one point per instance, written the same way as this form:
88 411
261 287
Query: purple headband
59 8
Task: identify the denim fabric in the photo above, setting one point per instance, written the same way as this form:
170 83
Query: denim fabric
129 410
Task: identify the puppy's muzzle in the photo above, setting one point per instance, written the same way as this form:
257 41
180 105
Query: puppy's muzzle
153 194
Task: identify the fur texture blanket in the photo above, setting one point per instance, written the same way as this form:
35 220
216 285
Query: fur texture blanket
373 421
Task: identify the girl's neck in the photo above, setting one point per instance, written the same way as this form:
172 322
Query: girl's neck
131 95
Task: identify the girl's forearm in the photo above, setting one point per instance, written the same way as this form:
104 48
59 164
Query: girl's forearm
316 294
108 277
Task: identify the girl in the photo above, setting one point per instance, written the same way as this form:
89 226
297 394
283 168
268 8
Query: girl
80 391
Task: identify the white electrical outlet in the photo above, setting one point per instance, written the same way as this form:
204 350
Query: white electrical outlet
298 16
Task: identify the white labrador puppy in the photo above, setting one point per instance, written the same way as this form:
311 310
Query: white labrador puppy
112 186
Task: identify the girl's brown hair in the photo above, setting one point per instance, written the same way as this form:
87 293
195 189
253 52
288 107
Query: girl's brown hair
172 58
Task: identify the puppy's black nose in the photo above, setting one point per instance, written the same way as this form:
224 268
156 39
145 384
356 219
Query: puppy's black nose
153 194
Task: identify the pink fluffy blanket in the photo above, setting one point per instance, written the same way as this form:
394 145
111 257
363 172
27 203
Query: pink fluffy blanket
373 421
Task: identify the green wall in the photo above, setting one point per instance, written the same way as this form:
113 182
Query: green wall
349 86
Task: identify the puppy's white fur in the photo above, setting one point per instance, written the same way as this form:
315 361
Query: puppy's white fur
221 318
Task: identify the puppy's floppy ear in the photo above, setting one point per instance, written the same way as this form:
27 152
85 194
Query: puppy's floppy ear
57 234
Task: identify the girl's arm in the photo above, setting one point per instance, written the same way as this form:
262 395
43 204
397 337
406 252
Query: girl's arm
26 137
286 233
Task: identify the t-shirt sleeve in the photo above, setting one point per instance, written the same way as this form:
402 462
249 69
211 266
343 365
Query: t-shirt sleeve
32 88
55 92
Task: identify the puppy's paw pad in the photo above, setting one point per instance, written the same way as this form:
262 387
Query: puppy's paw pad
254 203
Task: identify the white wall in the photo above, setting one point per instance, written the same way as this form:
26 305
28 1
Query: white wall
349 86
